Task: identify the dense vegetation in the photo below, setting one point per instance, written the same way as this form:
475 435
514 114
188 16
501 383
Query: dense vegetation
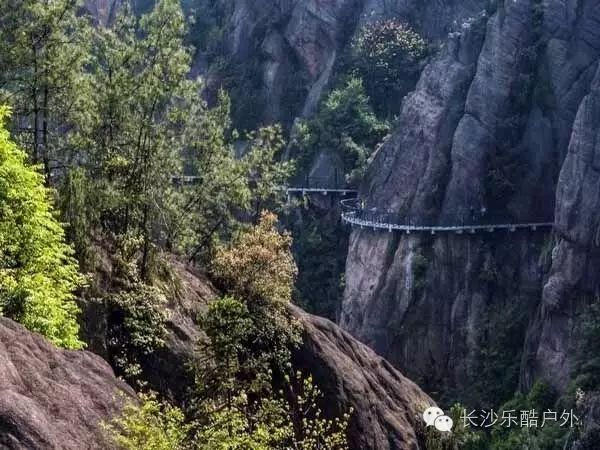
37 271
114 127
388 56
247 394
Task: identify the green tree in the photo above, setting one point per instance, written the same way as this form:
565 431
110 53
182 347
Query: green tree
44 48
37 271
257 269
141 93
230 188
387 55
150 425
346 124
258 265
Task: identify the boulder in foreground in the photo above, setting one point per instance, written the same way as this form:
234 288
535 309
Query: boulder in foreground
387 405
52 398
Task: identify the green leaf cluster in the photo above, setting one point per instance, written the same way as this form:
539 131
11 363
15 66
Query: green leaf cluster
388 55
345 124
38 274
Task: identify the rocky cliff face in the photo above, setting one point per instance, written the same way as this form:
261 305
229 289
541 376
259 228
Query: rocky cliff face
387 407
573 280
486 131
297 43
51 398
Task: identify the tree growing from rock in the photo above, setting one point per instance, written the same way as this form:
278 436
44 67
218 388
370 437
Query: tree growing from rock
387 55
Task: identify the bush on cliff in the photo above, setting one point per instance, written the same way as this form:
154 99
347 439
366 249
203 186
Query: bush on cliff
37 271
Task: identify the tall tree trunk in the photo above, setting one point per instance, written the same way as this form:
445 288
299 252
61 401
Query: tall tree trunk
45 151
34 98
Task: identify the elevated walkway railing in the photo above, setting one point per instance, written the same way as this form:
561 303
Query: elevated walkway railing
323 185
355 212
311 185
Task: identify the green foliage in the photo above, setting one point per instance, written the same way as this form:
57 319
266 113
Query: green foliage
259 271
37 271
346 124
132 142
244 81
247 353
44 49
419 266
136 314
258 265
387 55
504 170
588 356
230 188
551 437
240 426
498 356
150 425
311 430
78 214
261 424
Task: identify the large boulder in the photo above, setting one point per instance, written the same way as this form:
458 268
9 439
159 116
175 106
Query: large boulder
386 405
53 399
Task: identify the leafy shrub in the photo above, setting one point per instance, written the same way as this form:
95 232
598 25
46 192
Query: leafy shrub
37 271
151 425
346 124
258 265
388 56
136 312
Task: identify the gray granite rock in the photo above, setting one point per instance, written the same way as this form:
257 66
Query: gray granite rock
53 399
510 84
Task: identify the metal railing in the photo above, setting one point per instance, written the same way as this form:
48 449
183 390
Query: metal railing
357 212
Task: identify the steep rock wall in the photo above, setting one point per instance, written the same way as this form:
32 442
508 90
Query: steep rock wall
573 281
500 98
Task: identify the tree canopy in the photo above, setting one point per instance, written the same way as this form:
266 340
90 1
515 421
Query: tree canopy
38 274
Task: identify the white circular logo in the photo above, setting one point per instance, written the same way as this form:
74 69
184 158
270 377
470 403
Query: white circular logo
443 423
431 414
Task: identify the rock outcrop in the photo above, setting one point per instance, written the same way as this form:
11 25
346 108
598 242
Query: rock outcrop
53 399
487 129
387 406
299 42
165 369
573 282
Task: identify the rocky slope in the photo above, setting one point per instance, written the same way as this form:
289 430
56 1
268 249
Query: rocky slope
53 399
387 406
487 129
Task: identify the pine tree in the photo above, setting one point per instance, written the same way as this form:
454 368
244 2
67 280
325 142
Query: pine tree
44 47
